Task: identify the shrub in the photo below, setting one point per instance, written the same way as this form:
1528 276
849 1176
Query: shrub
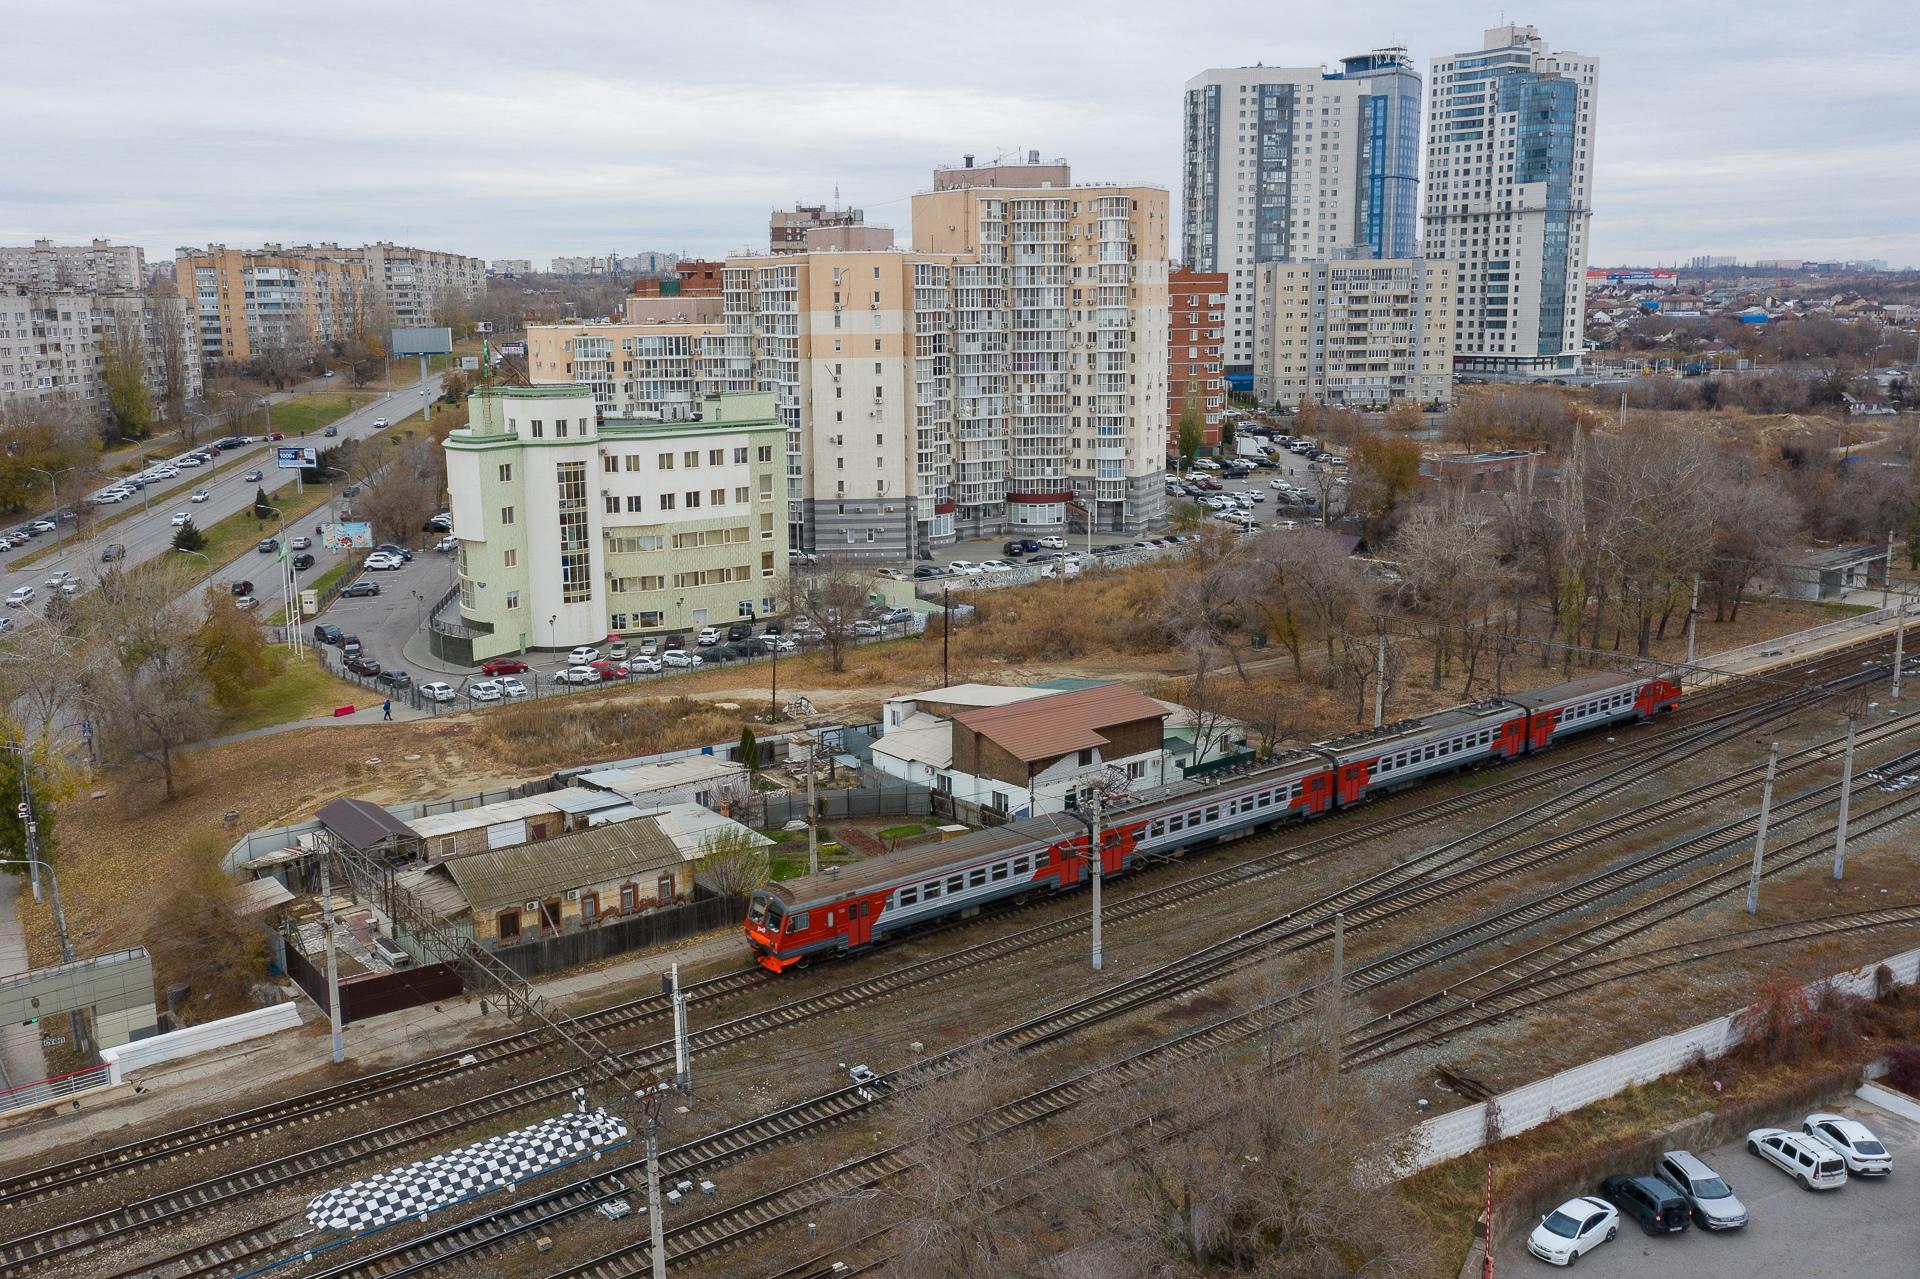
1903 1069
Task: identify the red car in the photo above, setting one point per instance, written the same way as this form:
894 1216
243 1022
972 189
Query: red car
610 670
504 666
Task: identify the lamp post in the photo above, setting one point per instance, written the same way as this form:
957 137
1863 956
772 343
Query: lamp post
287 586
59 533
1095 796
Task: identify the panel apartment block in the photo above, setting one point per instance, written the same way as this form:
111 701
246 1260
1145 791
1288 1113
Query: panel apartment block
1358 333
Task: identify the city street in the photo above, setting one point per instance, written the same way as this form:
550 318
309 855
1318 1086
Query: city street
150 532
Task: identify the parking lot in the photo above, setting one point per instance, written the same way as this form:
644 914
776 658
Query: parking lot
1867 1229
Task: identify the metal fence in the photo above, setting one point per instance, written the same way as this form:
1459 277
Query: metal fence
776 809
617 937
366 995
55 1088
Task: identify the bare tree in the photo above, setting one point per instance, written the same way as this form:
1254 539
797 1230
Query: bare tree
147 686
1450 569
832 596
173 335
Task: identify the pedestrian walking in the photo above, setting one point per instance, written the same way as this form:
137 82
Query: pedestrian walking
386 709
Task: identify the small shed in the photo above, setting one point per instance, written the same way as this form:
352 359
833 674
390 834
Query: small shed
367 828
1830 574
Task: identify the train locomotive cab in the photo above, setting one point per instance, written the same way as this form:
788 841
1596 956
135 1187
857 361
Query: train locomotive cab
766 916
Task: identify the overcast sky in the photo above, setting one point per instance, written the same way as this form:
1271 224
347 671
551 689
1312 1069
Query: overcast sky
1765 128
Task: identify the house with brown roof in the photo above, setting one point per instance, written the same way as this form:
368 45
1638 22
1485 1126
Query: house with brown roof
1006 752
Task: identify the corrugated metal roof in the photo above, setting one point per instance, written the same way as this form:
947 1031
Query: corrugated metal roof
641 779
974 695
922 738
528 872
1061 723
434 889
507 810
361 823
578 799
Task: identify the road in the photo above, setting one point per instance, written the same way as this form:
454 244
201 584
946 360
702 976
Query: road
150 532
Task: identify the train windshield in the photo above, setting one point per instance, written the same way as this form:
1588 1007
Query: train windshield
757 909
765 913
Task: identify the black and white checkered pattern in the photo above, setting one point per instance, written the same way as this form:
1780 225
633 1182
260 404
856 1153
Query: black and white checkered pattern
444 1180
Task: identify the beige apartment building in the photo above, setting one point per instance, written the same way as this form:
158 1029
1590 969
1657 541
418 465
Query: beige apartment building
50 344
299 298
99 267
1359 332
653 371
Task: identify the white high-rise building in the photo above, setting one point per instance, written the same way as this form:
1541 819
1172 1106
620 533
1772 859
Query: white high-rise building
1288 164
1509 199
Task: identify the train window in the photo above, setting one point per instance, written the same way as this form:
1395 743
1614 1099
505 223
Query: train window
798 923
955 883
1177 822
1156 830
1000 871
908 896
929 891
975 878
1213 813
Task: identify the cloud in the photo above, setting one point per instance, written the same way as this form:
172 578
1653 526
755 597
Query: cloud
513 130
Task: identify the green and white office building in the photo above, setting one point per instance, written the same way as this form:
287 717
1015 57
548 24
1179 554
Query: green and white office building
572 527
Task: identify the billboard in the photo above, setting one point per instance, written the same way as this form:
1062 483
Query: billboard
347 536
294 457
469 361
512 348
428 341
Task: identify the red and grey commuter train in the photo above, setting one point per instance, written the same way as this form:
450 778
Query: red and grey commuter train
850 908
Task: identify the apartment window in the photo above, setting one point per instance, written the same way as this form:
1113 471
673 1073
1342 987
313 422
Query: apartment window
766 527
666 461
766 564
740 493
513 599
693 499
610 464
766 453
633 504
560 428
633 461
666 501
610 504
740 455
506 515
691 457
506 472
716 457
717 497
539 429
509 558
766 488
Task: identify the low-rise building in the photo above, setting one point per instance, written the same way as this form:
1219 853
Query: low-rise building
1830 574
1354 332
705 780
787 229
572 525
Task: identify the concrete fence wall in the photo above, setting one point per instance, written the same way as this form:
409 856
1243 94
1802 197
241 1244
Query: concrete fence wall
143 1053
1463 1131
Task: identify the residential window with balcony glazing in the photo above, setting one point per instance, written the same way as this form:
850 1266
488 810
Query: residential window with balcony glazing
576 560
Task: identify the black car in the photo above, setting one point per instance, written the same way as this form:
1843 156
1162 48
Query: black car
395 680
360 664
326 633
739 630
927 570
744 648
114 551
774 626
1015 547
363 587
303 562
334 430
242 587
1658 1207
350 645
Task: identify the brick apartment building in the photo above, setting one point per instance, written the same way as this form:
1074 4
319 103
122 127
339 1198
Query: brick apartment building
1196 320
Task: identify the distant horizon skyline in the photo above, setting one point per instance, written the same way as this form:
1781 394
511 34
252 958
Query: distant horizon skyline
513 138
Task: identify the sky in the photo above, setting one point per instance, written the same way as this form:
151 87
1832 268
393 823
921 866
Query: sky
1763 128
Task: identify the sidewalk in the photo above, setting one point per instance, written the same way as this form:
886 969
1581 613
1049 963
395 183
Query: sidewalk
21 1058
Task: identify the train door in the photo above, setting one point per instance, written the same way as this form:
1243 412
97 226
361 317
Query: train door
1353 780
1541 724
1316 793
1512 740
859 923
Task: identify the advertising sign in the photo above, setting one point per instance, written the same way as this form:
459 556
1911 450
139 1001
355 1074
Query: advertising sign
347 536
424 341
294 457
513 348
469 361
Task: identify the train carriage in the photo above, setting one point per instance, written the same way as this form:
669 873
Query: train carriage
1577 705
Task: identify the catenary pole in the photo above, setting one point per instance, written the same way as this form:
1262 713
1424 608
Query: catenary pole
1760 834
1846 797
333 961
1380 682
1899 647
1693 618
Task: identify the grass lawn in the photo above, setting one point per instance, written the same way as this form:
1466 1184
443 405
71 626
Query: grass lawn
901 832
229 537
322 583
309 413
297 690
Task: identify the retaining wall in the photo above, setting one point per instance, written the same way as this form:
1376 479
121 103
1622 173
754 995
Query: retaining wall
142 1053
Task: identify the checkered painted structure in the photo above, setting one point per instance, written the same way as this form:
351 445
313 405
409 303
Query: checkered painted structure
499 1162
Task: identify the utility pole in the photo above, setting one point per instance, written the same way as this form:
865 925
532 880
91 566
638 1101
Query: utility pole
682 1071
1338 990
333 959
1886 578
1693 620
1095 796
1899 646
1846 795
813 843
1380 682
1097 867
650 1125
1760 835
946 633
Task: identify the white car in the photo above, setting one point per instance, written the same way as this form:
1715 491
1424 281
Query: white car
166 472
109 497
380 561
179 518
437 692
1251 496
965 568
484 690
246 603
200 495
512 687
709 636
995 566
19 596
680 657
1053 543
380 422
1853 1141
1573 1230
786 644
577 675
1808 1160
189 460
1205 464
1278 484
60 579
584 654
642 664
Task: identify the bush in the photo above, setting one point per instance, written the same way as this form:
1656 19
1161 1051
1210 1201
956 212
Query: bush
1903 1069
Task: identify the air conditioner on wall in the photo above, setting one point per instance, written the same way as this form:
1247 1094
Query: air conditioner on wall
533 905
573 894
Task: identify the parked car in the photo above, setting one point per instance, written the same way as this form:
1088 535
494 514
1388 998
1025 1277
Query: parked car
394 680
1053 543
863 627
397 552
609 670
350 645
512 687
964 568
268 545
326 633
1573 1230
381 562
446 544
643 664
360 589
576 675
1658 1207
649 643
1853 1141
1712 1200
1808 1160
437 691
199 495
504 666
109 497
995 566
739 630
680 657
484 690
361 664
1014 547
774 626
582 655
707 637
923 571
254 476
188 460
894 616
20 596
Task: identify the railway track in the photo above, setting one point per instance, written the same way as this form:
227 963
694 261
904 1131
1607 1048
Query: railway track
43 1245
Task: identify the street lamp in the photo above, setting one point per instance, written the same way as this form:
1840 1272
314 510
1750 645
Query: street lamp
59 534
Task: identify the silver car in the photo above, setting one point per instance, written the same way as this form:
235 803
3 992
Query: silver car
1713 1202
